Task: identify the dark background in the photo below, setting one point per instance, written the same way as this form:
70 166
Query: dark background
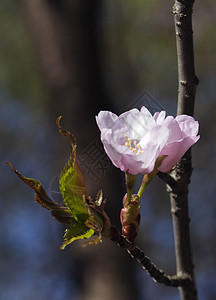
75 58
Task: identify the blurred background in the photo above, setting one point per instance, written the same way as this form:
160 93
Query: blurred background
75 58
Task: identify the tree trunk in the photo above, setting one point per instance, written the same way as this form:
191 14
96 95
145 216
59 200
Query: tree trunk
66 35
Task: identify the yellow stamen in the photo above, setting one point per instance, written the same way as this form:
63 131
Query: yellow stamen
128 142
141 151
136 146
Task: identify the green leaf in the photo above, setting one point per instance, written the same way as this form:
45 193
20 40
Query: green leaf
76 214
76 231
73 189
61 213
76 227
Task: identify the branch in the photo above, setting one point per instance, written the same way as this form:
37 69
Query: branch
167 178
182 11
157 274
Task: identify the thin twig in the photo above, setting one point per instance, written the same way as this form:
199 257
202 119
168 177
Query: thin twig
157 274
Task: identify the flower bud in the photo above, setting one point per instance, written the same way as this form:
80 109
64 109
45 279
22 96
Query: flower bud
130 217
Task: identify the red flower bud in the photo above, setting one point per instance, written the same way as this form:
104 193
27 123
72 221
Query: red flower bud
130 217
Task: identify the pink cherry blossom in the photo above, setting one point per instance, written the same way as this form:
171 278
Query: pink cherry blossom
135 139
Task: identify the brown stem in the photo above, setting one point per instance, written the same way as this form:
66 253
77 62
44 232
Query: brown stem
182 11
157 274
167 178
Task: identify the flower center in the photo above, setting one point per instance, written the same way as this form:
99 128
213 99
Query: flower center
133 145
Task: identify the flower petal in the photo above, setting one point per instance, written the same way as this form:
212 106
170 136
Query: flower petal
159 117
106 119
134 140
174 152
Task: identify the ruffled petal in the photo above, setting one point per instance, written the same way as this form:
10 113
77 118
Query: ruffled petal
134 140
106 119
174 152
159 117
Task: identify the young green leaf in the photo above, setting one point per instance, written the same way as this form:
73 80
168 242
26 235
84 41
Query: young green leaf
73 189
76 231
83 216
58 211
